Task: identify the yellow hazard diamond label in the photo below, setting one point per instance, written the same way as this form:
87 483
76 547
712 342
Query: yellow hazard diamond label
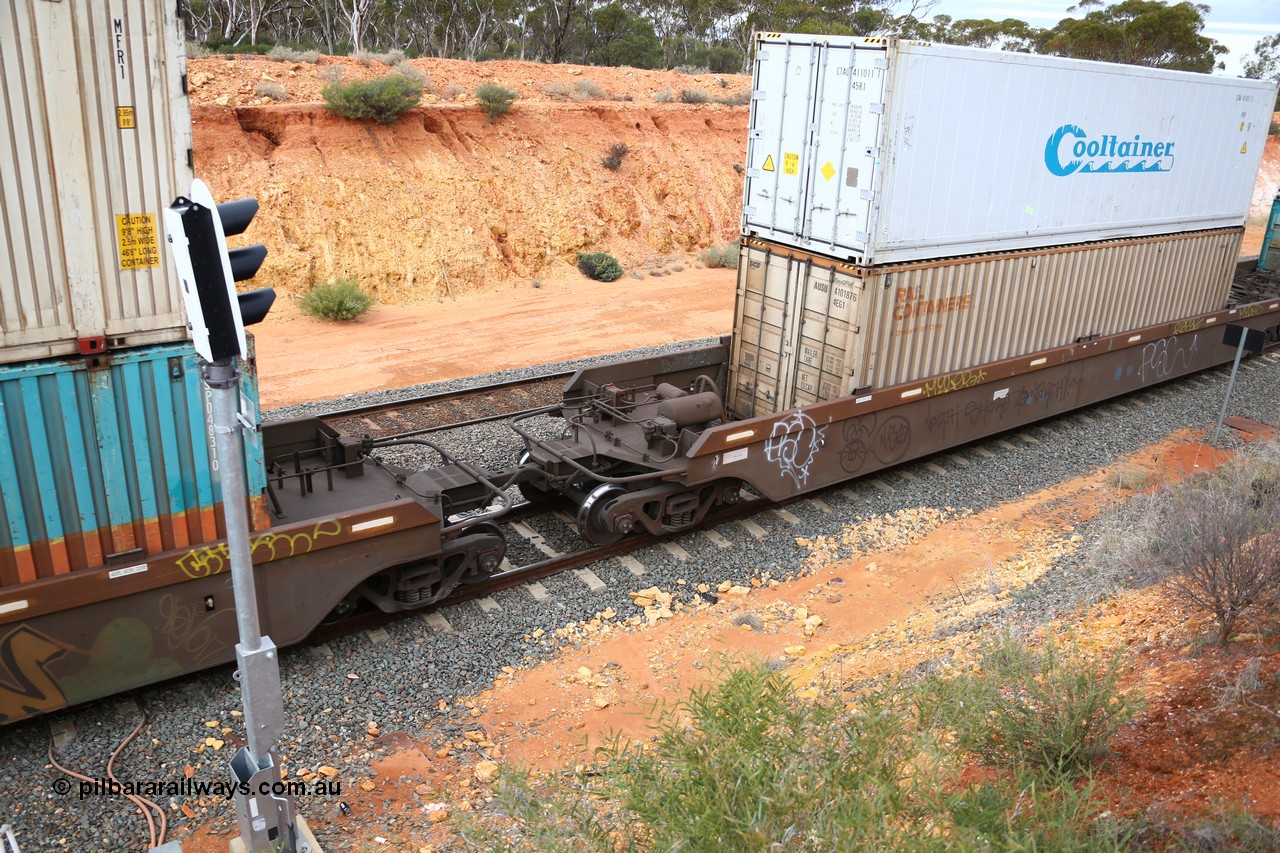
828 171
1244 149
768 164
139 240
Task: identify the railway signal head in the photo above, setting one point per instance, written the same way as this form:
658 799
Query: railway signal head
196 229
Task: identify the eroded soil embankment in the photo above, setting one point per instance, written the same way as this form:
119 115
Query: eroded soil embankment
444 193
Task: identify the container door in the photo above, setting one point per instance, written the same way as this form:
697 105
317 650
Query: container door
778 139
828 331
843 171
764 331
812 143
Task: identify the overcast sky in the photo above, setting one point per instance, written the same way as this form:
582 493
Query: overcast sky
1238 24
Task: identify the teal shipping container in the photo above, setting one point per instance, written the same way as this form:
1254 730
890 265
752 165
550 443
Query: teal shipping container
109 460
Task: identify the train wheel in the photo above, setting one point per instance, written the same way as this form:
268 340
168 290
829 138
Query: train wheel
532 490
593 515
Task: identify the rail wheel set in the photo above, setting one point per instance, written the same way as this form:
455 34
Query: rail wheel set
884 312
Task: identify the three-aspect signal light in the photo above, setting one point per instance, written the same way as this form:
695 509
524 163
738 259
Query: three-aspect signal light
196 228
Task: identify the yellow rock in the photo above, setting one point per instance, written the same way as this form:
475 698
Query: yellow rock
328 771
486 771
794 651
367 786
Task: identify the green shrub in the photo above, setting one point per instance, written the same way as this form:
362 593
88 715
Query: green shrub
1048 709
338 300
664 97
196 49
725 255
495 100
694 96
383 99
600 266
737 100
613 160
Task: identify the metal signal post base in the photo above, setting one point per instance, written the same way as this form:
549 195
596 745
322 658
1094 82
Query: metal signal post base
264 807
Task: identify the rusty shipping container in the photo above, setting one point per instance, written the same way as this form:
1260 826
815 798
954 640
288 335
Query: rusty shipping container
808 328
99 144
109 460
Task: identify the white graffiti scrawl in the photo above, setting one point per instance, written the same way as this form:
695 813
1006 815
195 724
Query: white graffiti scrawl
794 444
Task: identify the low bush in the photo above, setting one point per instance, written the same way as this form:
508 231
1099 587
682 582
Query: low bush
745 765
588 91
269 89
736 100
283 53
1216 538
495 100
694 96
338 300
390 57
195 49
613 160
406 69
664 97
725 255
383 99
1045 708
600 266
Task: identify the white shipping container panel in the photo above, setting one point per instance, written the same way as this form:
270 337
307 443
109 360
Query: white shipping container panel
809 329
99 142
881 151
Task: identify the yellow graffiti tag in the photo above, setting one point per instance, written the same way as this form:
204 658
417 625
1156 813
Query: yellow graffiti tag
211 560
954 382
26 688
1251 311
1181 328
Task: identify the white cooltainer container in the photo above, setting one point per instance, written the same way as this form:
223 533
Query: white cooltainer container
98 143
881 151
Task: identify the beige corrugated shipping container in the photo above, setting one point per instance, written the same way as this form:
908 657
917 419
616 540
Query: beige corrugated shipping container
99 142
809 328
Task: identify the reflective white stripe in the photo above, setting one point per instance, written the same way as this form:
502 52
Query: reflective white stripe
14 605
738 436
372 523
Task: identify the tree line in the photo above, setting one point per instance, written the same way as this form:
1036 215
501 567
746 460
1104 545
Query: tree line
712 34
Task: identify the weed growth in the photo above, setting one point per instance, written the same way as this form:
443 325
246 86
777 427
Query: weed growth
282 53
694 96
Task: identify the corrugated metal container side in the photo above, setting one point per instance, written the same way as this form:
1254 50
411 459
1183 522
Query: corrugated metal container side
808 328
110 464
102 145
880 151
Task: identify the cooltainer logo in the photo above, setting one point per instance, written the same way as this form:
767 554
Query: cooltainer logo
1069 150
